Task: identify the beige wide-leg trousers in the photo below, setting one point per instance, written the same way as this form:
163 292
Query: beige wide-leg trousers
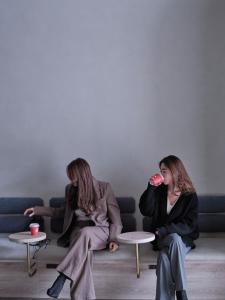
77 264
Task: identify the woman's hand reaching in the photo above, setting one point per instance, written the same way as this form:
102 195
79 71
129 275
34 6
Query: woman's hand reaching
29 212
113 246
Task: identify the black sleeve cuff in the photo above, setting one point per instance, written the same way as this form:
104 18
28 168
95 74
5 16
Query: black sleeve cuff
162 232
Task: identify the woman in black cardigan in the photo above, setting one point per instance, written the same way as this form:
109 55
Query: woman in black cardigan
173 207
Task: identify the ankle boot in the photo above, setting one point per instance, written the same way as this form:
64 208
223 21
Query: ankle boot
57 286
181 295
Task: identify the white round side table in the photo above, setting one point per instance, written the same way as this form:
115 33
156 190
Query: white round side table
26 238
136 237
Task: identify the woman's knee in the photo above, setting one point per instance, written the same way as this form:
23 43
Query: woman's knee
174 238
85 232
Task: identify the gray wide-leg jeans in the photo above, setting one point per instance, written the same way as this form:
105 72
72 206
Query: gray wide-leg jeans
170 271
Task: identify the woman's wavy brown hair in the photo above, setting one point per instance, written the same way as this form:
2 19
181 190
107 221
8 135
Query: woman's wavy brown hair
80 169
180 176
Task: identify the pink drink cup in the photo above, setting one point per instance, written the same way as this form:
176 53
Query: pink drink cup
34 228
156 179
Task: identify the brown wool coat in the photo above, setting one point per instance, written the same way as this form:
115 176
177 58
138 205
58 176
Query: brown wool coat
106 214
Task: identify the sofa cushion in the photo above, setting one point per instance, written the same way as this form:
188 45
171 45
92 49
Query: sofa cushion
211 213
211 203
126 205
11 214
129 222
211 222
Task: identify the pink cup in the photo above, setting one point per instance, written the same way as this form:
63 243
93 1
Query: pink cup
34 228
156 179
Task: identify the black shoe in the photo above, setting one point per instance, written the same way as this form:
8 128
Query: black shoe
57 286
181 295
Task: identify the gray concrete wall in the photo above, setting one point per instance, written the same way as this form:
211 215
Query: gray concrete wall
120 83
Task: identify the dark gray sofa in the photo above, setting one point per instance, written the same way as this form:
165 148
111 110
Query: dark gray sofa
12 218
210 245
211 213
127 210
210 248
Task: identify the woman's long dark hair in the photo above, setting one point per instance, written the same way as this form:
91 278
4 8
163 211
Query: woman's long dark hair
180 176
80 169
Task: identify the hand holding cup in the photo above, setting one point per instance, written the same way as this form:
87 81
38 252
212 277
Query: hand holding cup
156 179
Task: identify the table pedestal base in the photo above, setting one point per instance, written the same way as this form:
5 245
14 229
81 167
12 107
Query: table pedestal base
136 238
137 260
31 263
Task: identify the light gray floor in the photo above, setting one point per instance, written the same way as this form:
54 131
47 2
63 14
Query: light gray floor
114 274
113 281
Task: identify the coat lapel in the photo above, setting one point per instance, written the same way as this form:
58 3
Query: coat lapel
96 190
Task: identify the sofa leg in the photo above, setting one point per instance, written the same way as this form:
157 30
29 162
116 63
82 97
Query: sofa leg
152 267
51 266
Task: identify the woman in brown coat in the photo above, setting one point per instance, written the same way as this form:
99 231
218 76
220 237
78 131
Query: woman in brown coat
91 221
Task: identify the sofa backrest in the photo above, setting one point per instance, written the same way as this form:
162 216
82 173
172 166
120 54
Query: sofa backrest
11 214
211 214
127 210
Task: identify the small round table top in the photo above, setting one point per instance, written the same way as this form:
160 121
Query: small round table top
136 237
26 237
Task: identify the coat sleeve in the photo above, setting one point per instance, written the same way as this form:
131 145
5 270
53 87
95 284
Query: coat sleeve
113 211
148 200
188 222
54 212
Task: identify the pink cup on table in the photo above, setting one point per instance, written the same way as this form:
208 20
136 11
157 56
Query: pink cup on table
34 228
156 179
